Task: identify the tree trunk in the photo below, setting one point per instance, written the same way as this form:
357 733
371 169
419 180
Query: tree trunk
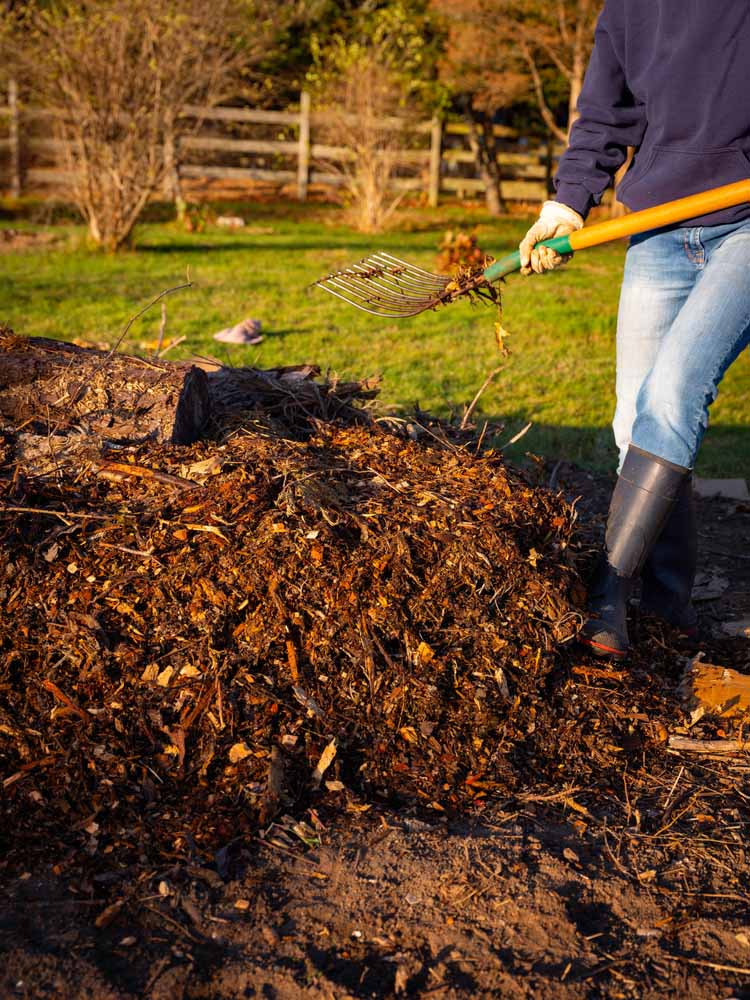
172 184
484 148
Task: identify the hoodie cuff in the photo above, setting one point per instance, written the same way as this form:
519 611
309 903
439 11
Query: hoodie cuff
575 196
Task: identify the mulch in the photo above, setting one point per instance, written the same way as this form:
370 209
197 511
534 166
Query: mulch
297 619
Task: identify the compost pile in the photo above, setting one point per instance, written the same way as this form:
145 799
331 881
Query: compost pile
197 639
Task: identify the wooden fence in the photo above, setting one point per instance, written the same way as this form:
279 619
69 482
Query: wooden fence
238 144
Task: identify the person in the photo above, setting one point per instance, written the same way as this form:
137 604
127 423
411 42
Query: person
669 78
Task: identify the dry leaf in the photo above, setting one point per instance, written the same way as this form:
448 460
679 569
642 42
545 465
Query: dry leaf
424 653
238 752
165 676
326 759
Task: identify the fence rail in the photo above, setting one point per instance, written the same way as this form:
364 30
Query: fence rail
442 161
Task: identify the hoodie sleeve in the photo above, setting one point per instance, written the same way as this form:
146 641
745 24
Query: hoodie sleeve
610 119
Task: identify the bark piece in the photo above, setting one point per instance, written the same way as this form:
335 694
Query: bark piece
718 691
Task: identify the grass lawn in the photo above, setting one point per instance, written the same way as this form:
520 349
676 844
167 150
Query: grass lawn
560 375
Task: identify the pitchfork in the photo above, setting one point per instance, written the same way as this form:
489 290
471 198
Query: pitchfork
383 285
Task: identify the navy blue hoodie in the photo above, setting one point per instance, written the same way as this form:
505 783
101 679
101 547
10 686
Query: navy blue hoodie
672 78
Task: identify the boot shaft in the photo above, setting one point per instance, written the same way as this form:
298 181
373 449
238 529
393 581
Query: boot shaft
646 491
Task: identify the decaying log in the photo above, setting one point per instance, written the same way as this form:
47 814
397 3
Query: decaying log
714 690
59 399
51 387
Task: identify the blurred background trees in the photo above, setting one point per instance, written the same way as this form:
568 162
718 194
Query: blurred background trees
373 72
124 80
517 61
121 78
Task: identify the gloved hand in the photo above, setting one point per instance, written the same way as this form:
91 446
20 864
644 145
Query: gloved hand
555 219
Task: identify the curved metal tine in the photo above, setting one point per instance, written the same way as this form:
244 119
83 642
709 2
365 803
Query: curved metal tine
399 278
376 297
419 284
415 276
361 267
401 270
384 256
373 312
386 298
386 284
404 263
394 284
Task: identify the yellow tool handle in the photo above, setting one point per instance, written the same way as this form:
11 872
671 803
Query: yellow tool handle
667 214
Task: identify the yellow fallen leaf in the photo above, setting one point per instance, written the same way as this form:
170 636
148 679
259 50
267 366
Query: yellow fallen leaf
210 529
150 673
424 653
165 677
324 763
238 752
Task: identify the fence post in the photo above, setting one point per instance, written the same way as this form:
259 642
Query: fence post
436 150
14 140
303 153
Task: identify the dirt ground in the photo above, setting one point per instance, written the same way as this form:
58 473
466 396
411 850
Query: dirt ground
635 887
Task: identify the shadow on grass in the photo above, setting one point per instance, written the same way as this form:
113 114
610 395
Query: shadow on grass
724 454
360 247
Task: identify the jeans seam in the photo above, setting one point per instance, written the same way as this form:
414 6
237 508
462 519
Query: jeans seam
710 392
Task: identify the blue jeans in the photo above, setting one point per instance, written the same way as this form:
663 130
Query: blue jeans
684 317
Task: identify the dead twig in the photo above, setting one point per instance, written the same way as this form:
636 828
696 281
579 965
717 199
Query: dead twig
117 471
688 745
50 686
472 405
162 328
704 963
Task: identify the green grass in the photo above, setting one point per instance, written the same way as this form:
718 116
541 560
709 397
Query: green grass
560 375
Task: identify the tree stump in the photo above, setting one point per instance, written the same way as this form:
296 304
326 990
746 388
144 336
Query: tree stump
60 401
52 387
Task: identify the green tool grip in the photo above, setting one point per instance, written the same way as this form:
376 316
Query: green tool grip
511 263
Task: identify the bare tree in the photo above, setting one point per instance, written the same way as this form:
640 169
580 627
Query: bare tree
481 81
369 82
502 51
119 77
559 34
360 105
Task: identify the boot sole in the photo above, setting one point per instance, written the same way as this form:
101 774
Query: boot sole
600 649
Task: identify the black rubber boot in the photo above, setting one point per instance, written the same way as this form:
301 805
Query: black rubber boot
643 499
669 571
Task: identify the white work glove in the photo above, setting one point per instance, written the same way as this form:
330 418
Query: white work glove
555 219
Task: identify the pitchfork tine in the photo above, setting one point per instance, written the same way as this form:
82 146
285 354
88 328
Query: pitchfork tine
383 285
365 284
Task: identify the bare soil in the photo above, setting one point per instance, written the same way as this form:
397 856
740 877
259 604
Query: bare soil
627 881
